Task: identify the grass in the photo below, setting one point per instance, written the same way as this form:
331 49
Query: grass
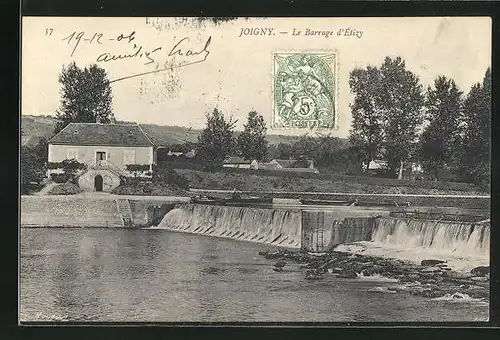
248 181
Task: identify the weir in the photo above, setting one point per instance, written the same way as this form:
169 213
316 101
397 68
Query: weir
272 226
320 231
458 238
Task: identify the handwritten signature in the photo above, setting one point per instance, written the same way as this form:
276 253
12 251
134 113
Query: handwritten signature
180 50
177 50
138 51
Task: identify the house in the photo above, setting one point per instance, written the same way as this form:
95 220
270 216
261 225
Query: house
375 165
291 165
282 163
239 163
175 153
106 150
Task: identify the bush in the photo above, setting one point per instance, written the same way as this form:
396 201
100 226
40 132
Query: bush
170 177
60 178
69 166
65 189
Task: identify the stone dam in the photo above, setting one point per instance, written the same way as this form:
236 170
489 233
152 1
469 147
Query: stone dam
314 229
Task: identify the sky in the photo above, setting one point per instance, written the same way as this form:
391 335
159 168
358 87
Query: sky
234 72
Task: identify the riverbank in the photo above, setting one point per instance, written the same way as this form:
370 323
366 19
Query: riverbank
268 181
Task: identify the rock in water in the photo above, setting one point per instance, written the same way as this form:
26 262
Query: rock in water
312 274
431 263
479 278
431 270
458 275
278 269
280 264
480 271
348 275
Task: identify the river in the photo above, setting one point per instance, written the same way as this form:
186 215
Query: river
91 274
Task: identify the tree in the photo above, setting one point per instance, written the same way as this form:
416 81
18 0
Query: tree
475 140
216 141
272 152
252 141
32 171
85 96
366 135
41 151
439 141
284 150
401 100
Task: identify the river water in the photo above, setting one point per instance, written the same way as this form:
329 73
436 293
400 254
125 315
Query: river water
120 275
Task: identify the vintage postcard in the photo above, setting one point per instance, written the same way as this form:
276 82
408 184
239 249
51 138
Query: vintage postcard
245 170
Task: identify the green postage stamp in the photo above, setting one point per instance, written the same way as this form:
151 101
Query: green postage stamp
305 88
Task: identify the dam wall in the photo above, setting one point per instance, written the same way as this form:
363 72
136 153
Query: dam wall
91 211
322 230
309 230
271 226
321 233
292 228
75 212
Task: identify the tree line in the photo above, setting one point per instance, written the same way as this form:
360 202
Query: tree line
393 118
396 120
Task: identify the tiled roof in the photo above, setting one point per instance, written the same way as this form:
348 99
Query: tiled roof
102 134
286 163
236 160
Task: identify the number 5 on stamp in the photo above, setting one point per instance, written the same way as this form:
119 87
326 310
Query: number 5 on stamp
305 90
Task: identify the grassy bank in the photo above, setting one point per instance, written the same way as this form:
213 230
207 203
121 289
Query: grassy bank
248 181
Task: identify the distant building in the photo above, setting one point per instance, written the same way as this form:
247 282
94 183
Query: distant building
286 165
375 165
282 163
190 154
175 153
106 150
239 163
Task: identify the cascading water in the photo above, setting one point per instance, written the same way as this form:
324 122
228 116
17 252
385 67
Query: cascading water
466 239
463 245
278 227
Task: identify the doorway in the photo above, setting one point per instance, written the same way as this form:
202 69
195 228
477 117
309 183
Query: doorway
98 183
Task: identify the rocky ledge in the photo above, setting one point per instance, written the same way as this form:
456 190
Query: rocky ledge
432 278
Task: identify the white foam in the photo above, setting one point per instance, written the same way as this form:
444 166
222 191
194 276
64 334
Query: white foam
458 297
415 254
382 290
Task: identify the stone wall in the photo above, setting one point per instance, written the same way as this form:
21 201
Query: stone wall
81 211
69 211
322 230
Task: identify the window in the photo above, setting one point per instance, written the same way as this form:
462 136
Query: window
72 154
100 157
128 156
